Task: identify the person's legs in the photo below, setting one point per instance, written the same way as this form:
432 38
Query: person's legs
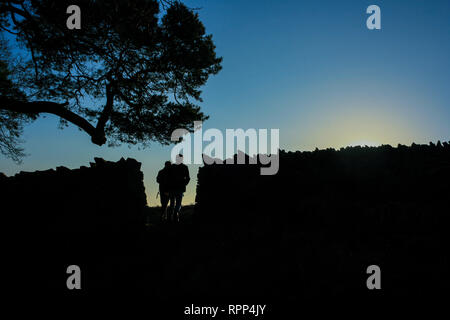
164 202
178 199
171 207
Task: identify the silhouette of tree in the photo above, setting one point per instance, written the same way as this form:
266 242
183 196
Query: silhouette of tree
132 69
11 123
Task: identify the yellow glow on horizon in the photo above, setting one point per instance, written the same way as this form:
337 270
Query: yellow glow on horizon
359 131
350 125
364 143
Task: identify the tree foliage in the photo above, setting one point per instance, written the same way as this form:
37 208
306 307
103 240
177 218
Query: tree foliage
132 73
11 123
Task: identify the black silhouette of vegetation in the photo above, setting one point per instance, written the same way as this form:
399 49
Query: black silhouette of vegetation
130 75
11 123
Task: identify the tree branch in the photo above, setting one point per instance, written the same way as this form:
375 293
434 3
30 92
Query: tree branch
104 116
59 109
20 12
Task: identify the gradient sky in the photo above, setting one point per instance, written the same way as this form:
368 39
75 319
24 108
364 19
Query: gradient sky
311 69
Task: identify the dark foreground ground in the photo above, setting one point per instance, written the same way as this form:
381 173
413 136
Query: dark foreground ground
171 266
267 262
308 233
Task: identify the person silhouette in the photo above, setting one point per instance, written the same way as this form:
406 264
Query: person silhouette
179 178
163 179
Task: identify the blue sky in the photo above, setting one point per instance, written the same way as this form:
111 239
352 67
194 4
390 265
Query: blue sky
311 69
